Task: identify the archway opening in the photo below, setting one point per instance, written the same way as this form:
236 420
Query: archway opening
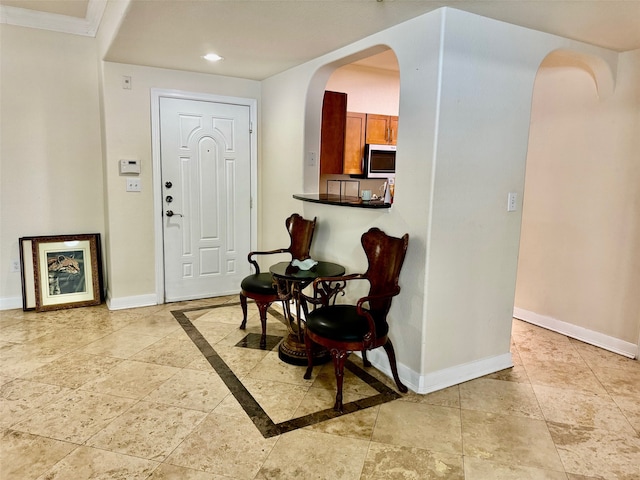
574 222
360 106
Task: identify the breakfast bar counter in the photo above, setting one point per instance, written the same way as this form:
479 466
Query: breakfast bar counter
341 200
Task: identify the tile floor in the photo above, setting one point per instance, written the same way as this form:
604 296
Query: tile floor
179 392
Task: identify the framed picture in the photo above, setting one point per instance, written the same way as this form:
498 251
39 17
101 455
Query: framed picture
67 271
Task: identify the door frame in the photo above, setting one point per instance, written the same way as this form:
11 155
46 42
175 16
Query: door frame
156 95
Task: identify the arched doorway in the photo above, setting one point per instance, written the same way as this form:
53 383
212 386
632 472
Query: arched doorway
571 275
370 83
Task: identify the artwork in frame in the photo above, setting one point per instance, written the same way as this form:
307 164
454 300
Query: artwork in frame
67 271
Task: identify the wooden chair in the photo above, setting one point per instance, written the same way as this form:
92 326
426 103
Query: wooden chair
259 287
346 328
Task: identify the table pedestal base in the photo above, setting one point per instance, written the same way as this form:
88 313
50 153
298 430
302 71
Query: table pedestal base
293 352
290 282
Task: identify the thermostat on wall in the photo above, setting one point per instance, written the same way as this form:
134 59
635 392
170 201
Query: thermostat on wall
129 167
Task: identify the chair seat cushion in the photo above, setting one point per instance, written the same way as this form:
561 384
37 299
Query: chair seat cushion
343 324
261 283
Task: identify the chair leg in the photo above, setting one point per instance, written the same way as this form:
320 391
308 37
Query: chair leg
388 347
308 345
365 360
262 307
243 304
339 357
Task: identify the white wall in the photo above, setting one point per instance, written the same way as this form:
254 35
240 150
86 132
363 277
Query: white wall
127 120
50 158
369 90
579 262
465 93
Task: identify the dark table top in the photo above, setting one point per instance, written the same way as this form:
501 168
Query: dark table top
322 269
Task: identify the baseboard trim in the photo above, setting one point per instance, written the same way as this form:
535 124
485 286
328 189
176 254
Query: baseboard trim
132 302
9 303
591 337
444 378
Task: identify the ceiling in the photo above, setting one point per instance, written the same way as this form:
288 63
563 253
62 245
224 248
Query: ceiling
259 38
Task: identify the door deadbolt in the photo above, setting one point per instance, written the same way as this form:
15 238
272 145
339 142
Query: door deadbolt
169 199
168 184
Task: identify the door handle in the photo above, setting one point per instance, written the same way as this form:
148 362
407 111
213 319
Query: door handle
169 213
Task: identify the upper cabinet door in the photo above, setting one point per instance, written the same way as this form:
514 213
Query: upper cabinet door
377 128
382 129
354 143
393 130
334 120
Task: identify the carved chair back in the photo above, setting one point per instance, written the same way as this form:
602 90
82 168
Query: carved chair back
385 255
301 234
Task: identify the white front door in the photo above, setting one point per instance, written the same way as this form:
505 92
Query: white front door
205 160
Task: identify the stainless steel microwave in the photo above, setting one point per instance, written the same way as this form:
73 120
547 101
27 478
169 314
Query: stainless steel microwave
380 161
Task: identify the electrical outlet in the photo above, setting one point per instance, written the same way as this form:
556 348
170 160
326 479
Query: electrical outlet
15 266
134 185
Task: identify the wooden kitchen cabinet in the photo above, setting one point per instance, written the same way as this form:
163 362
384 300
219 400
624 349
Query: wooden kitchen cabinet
354 141
332 134
393 130
344 134
382 129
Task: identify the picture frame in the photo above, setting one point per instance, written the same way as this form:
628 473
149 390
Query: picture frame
67 271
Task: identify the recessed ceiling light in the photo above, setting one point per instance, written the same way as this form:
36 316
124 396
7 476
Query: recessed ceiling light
213 57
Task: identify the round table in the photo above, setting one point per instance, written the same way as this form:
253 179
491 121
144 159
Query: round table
291 281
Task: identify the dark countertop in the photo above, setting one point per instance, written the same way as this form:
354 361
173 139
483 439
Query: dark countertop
341 200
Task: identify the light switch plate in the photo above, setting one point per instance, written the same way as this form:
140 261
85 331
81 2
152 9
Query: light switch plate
312 159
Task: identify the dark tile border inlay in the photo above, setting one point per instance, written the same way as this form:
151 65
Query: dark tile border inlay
252 340
261 420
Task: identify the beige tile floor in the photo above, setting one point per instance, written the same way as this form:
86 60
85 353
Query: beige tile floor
88 393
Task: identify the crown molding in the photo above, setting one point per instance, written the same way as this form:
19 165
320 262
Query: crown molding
87 26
